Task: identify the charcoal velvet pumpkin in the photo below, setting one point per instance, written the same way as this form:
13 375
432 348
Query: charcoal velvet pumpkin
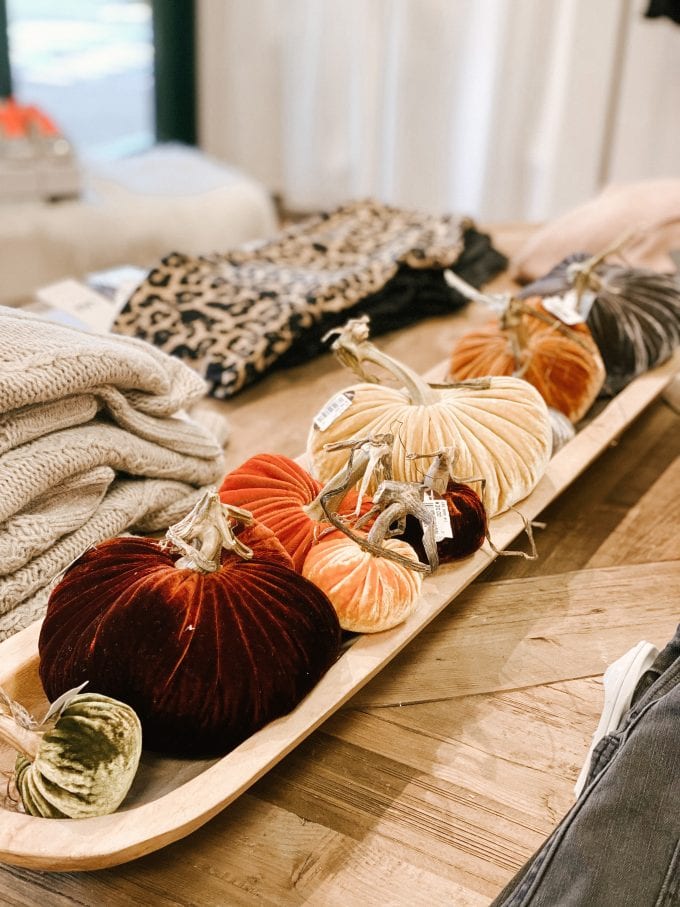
563 430
283 496
205 659
562 362
632 313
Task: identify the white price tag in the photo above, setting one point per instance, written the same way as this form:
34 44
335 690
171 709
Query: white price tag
442 518
91 310
335 407
569 308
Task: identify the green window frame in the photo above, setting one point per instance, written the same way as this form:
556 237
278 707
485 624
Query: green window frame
174 35
5 74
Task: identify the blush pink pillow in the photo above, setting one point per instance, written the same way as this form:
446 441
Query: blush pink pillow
651 207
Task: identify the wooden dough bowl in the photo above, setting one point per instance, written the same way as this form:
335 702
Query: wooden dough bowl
171 797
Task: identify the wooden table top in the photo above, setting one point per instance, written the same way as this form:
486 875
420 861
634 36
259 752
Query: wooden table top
438 779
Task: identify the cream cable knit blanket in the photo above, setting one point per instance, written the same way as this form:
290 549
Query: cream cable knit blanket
93 442
42 361
34 469
144 506
62 510
177 432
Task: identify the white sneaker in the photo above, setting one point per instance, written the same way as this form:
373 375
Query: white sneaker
620 680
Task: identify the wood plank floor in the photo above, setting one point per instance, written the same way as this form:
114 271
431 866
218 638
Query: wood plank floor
442 775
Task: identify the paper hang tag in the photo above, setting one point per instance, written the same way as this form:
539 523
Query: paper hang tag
442 517
89 309
569 308
335 407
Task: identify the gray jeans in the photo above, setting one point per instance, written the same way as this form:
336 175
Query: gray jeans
619 845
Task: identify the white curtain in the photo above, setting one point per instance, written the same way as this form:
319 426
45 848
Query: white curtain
501 109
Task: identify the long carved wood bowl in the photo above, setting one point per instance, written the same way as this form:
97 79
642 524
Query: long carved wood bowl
170 798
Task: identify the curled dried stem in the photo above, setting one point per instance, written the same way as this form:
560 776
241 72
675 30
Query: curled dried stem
208 528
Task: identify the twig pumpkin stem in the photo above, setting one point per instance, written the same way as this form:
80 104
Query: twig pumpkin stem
205 531
354 350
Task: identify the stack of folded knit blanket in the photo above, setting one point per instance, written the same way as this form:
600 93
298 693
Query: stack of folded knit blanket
94 441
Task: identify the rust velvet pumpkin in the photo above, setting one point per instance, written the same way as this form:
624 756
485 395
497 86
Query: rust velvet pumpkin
468 525
562 362
283 496
204 658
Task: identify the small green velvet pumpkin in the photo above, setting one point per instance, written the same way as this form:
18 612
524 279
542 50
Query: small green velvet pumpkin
84 765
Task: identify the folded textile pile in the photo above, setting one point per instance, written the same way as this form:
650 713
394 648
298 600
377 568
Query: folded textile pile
235 316
93 443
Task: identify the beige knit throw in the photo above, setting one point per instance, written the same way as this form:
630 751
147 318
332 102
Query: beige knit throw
94 441
178 432
42 361
142 505
57 513
34 469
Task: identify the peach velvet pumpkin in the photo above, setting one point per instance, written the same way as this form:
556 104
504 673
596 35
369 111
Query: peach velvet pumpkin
205 656
369 593
561 361
283 496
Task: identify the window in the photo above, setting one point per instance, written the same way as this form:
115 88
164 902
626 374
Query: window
113 74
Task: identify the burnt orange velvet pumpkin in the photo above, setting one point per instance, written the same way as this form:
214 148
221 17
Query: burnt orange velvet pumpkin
369 593
204 658
283 496
562 362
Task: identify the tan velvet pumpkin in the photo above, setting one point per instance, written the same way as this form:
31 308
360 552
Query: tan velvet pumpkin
499 427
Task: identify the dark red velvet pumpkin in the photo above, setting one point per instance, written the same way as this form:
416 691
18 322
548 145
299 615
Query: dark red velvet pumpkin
205 659
283 496
468 525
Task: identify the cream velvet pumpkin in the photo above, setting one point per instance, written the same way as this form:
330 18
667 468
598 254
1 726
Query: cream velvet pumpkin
499 426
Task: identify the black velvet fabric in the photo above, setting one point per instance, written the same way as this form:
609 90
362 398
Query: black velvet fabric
237 315
668 8
412 295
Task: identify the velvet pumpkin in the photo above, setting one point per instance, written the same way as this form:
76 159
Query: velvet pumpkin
369 593
283 496
499 427
632 313
563 430
562 362
204 658
81 764
468 525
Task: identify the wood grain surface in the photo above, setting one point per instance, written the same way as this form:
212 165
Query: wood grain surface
437 781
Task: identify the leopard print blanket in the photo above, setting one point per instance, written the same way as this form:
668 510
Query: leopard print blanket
233 316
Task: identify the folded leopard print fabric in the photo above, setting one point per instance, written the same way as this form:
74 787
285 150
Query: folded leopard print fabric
234 316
